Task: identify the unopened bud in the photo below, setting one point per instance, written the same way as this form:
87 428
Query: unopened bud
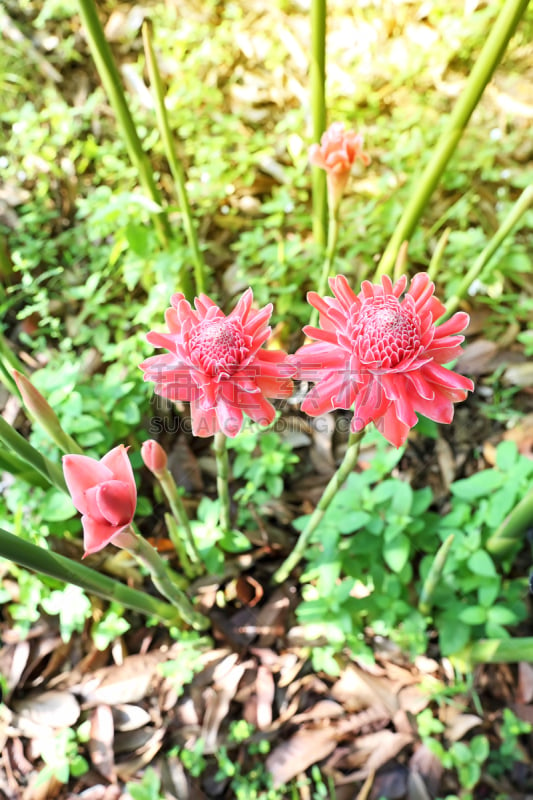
154 456
44 414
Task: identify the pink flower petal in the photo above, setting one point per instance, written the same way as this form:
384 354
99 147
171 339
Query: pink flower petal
83 473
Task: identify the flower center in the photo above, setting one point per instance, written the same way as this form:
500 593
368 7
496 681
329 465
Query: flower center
218 347
386 333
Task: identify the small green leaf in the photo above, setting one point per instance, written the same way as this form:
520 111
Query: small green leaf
506 455
480 563
56 506
396 552
501 615
453 636
473 615
482 484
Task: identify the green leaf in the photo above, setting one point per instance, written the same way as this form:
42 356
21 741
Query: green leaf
480 563
479 747
482 484
453 636
396 552
506 456
56 506
353 521
501 615
473 615
488 593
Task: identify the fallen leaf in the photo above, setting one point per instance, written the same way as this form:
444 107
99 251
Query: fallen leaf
101 742
305 748
52 709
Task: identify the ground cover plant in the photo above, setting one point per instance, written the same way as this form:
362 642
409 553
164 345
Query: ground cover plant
306 566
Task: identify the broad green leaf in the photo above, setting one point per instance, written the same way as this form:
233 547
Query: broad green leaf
56 506
502 615
453 636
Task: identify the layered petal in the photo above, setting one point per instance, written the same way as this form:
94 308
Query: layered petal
381 351
218 363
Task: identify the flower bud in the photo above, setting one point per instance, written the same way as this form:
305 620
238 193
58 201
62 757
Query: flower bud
154 456
44 414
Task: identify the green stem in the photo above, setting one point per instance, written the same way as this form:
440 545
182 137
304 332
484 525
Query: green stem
519 208
501 651
348 463
318 112
175 502
64 569
162 577
8 362
425 602
491 54
109 75
221 455
18 444
176 167
510 533
436 258
327 268
10 462
177 541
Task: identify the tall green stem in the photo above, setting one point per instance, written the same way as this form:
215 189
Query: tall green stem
108 72
348 463
221 455
176 166
162 578
175 502
318 111
488 59
18 444
56 566
519 208
510 533
425 602
327 268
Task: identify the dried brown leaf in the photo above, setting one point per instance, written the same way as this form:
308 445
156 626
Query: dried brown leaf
304 748
52 709
100 743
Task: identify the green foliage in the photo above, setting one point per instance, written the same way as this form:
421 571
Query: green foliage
263 460
60 755
149 787
376 539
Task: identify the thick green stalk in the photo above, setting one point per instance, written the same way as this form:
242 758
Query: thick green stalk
348 463
488 60
318 112
501 651
221 455
164 582
333 236
175 502
511 532
519 208
56 566
176 168
425 602
109 75
177 541
18 444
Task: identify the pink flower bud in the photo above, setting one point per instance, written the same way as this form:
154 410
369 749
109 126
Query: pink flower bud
35 402
154 456
336 154
104 492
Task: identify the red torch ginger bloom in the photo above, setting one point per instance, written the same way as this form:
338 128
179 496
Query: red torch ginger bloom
336 154
104 493
216 363
383 355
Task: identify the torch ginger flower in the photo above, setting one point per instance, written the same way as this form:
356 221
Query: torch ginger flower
336 154
104 493
383 355
216 363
